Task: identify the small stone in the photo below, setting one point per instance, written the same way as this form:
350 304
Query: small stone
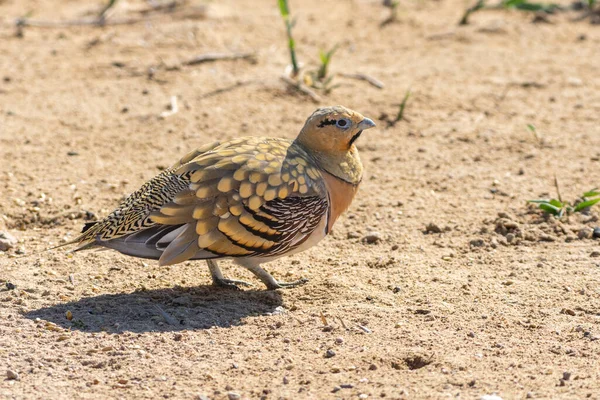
177 337
7 241
346 386
372 367
339 340
584 233
353 235
233 396
363 396
596 233
568 311
477 243
566 376
432 228
573 81
336 389
529 395
11 375
510 237
10 286
329 353
595 254
285 380
396 289
490 397
372 238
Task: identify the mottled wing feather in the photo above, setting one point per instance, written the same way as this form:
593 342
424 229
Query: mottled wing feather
132 215
253 197
243 198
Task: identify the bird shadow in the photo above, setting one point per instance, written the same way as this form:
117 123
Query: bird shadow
161 310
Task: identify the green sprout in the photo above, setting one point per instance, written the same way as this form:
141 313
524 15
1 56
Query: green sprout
393 6
476 7
285 14
535 133
525 5
325 58
400 115
559 208
105 9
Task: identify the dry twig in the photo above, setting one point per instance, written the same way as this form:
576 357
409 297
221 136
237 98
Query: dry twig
209 57
174 108
301 88
362 77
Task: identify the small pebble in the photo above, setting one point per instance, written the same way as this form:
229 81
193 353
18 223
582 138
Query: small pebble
596 233
372 238
432 228
233 396
584 233
10 286
339 340
7 241
372 367
477 243
353 235
490 397
329 353
11 375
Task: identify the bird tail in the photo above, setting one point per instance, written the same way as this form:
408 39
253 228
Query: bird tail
85 240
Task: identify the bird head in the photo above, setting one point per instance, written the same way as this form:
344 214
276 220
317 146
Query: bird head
333 130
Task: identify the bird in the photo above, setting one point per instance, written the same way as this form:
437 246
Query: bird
251 199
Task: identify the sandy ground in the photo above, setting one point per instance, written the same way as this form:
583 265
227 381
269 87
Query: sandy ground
495 298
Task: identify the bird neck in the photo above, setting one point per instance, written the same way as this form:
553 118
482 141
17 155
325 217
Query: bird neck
343 165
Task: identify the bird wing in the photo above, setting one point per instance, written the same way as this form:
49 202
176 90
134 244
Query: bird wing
248 197
132 215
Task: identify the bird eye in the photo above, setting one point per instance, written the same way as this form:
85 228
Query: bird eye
342 123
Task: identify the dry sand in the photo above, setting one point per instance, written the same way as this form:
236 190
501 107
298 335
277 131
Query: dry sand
479 303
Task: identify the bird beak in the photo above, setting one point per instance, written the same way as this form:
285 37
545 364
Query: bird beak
366 123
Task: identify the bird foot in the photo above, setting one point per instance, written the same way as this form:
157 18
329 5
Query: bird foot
283 285
230 283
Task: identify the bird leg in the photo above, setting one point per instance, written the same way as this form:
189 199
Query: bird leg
268 279
219 280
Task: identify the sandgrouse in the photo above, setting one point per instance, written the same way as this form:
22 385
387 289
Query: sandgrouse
252 199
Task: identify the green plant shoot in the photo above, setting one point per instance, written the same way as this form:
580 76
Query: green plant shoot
285 14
